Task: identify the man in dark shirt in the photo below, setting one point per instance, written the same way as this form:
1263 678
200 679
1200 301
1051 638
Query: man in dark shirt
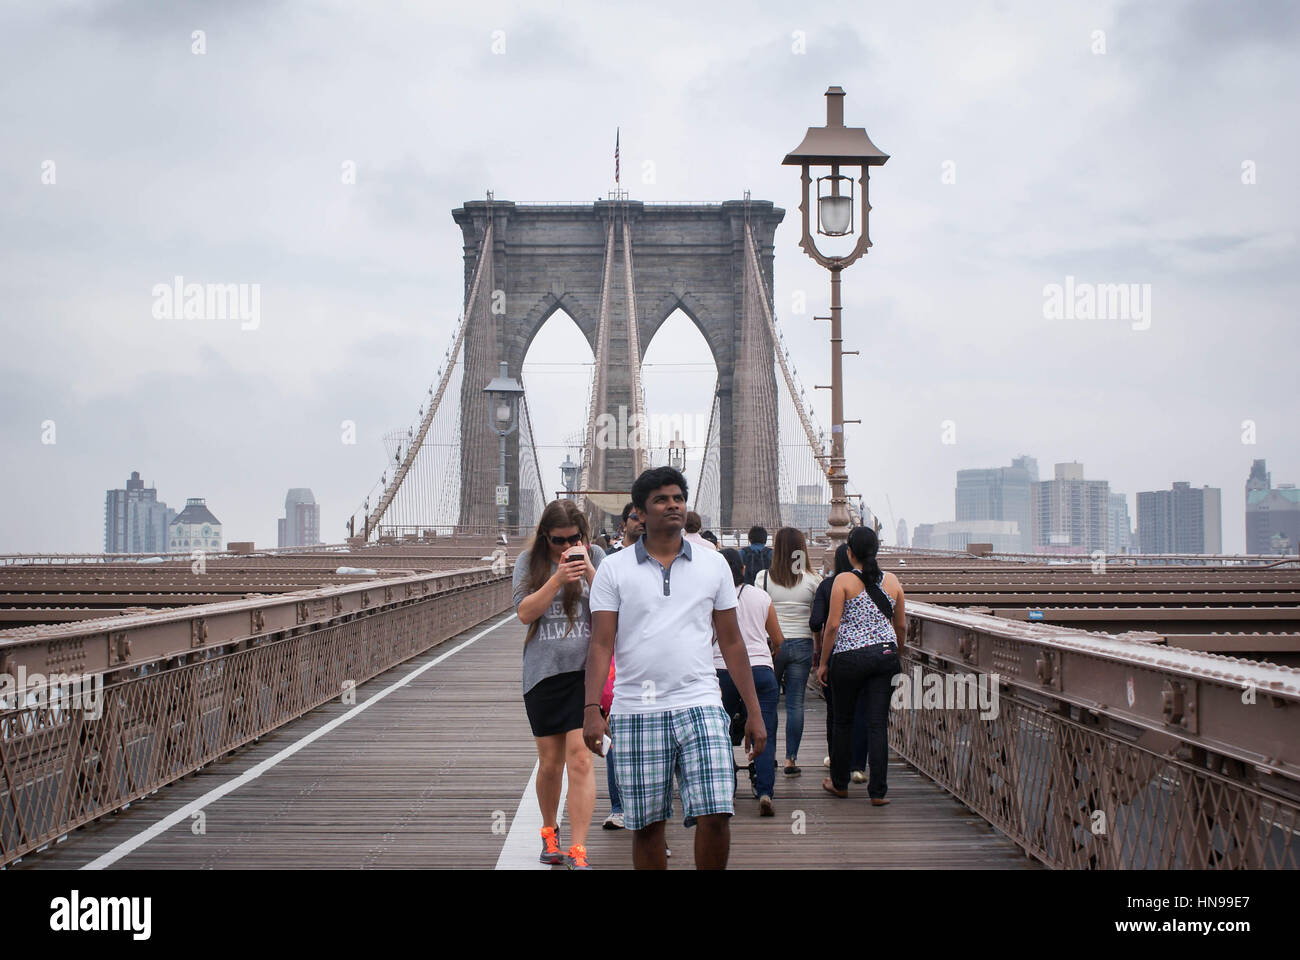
757 556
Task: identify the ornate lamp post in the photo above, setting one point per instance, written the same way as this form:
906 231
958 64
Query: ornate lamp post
569 475
505 391
834 146
677 452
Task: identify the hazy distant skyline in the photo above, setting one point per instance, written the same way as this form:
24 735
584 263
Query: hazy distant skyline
1021 158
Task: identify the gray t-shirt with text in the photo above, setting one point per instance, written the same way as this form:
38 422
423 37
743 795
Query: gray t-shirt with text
556 647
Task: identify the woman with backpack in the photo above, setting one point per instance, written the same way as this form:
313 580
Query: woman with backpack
860 655
792 586
762 635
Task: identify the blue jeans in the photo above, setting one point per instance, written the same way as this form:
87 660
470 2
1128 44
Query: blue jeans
765 687
793 662
615 798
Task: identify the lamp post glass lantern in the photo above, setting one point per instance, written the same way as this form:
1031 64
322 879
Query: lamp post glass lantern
569 476
504 392
835 147
677 453
834 210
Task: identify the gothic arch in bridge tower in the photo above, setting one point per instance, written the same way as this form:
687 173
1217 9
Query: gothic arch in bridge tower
691 257
713 332
546 307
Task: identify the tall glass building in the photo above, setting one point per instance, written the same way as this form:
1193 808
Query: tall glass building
135 520
1000 493
1272 514
300 525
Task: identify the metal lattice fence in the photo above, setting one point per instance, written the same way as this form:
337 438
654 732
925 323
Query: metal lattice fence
1081 798
61 768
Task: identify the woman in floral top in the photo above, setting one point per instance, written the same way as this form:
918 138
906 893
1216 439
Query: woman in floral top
864 634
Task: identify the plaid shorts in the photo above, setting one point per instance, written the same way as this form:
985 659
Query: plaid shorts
648 748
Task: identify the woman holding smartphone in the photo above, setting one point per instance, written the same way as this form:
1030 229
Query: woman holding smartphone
552 583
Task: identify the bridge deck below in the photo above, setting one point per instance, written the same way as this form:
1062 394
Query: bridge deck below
431 776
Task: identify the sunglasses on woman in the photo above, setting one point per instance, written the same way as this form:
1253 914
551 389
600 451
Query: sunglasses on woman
567 541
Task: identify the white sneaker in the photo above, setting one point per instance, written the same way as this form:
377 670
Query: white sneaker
613 822
859 776
826 762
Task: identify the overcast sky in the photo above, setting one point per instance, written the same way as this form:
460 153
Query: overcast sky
1122 166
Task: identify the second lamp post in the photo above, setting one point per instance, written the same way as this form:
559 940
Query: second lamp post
505 392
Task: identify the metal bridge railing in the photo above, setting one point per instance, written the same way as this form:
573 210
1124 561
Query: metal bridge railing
1097 752
1105 753
1109 560
184 688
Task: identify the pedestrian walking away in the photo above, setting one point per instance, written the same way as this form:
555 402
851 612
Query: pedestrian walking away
655 609
693 535
762 635
792 586
821 608
865 631
758 555
552 588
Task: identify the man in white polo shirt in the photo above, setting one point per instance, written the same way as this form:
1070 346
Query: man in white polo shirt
656 607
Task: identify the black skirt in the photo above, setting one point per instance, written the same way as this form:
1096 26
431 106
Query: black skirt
554 705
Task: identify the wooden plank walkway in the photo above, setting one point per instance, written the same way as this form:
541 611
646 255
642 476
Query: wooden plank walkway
431 776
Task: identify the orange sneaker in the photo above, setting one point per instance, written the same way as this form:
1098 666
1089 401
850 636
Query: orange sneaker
578 857
551 846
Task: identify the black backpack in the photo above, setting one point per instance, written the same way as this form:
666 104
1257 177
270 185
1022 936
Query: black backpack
755 558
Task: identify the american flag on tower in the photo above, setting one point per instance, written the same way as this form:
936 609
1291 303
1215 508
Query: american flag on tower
616 131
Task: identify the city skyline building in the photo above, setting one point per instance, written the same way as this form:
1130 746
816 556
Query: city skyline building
1071 514
195 528
901 534
809 493
1183 519
1272 514
810 511
1120 529
135 520
1004 535
1000 493
1260 478
300 525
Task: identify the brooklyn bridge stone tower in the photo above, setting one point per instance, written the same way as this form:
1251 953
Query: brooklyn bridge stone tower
692 257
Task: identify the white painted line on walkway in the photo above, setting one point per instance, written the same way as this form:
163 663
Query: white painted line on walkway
194 806
524 841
